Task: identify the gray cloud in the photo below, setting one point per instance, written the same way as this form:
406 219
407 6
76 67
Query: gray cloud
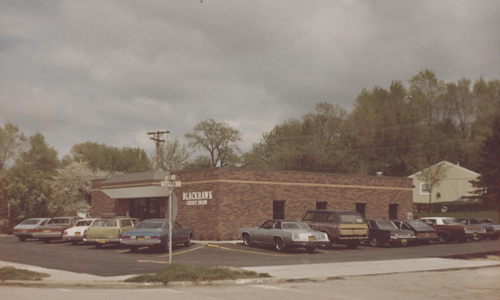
109 71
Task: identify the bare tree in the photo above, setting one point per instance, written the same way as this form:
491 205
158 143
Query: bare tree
432 177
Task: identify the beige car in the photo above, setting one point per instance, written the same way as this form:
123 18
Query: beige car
108 231
342 226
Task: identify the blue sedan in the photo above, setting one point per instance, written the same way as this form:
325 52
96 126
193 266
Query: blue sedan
153 233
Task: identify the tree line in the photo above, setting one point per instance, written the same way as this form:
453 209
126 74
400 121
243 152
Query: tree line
397 130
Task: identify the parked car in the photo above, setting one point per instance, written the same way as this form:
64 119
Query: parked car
54 228
76 233
492 228
25 229
108 231
284 234
155 233
424 234
449 229
464 203
344 227
383 231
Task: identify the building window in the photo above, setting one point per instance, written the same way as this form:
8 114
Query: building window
321 205
393 211
148 208
424 189
279 210
361 208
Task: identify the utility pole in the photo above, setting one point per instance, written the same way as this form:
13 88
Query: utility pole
157 138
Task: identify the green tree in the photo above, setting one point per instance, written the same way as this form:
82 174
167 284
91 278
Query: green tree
30 180
107 158
173 155
11 141
427 91
488 183
200 162
219 139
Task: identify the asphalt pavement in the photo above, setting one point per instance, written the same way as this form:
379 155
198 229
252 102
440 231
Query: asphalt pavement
286 273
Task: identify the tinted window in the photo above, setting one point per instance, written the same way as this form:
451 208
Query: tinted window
30 222
126 223
157 225
320 217
351 218
268 225
309 216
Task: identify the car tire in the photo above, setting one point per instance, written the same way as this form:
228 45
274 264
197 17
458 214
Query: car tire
188 242
134 249
374 242
279 245
444 238
22 238
494 237
310 249
247 240
352 245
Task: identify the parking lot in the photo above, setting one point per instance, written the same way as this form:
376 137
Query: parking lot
115 260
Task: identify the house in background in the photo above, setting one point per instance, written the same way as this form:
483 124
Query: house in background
455 185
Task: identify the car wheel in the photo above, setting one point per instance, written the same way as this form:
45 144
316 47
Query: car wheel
352 245
187 243
374 242
134 249
247 240
74 243
310 249
444 238
279 244
22 238
494 237
445 208
98 246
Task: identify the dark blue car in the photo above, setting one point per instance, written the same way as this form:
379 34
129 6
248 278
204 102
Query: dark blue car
153 233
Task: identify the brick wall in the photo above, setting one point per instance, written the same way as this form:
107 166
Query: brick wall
101 203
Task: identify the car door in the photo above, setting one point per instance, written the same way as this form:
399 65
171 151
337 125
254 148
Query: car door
263 233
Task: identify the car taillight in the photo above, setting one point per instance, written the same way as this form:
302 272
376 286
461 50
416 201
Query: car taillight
155 237
17 230
125 236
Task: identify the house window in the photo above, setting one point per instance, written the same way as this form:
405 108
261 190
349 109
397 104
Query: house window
424 189
279 210
393 211
321 205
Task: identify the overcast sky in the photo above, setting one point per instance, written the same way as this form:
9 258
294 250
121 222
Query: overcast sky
110 71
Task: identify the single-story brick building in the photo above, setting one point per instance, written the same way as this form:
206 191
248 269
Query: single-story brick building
216 202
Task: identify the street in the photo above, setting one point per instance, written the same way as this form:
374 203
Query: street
467 284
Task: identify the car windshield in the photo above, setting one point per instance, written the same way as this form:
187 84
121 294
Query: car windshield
386 224
30 222
294 225
105 223
485 221
58 221
417 224
345 218
152 225
451 221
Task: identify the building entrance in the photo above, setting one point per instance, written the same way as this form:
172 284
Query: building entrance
148 208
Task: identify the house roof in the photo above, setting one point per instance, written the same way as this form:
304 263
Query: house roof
449 164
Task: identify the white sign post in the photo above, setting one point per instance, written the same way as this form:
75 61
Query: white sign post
170 184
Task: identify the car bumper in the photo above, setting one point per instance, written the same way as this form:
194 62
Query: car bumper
73 238
130 242
307 243
102 241
47 235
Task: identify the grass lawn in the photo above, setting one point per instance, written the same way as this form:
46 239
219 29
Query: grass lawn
177 272
11 273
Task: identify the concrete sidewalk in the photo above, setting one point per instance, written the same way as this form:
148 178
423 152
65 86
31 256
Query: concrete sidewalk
280 273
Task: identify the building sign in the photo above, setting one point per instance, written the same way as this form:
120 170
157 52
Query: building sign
197 198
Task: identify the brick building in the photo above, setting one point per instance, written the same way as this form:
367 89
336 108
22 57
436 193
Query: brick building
216 202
